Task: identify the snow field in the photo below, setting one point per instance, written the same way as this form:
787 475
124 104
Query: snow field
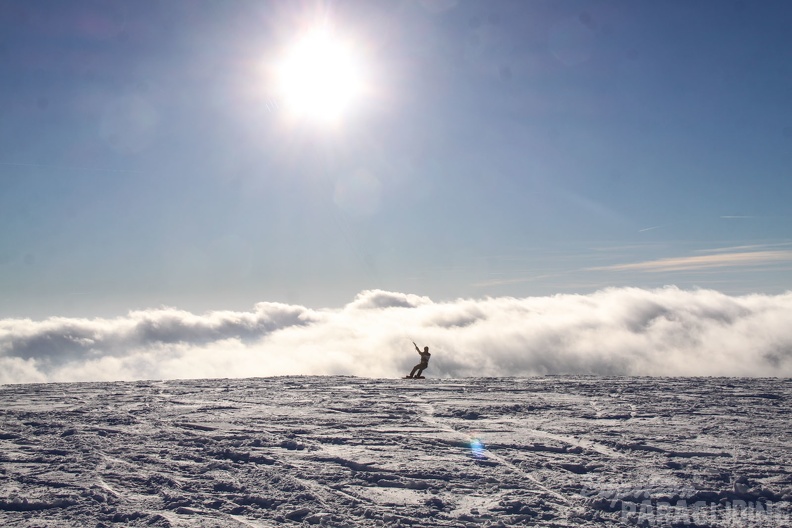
343 451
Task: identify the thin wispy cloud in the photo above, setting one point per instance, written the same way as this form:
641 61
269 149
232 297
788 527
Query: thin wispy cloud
644 230
701 262
618 331
751 247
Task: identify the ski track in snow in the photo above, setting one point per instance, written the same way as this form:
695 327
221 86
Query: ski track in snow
343 451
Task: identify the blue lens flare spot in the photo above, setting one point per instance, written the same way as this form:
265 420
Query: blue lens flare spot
477 448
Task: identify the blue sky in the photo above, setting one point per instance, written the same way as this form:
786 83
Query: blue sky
521 148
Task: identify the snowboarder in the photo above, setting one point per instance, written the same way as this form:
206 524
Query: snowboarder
423 364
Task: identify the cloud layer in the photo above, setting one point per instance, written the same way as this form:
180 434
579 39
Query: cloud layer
624 331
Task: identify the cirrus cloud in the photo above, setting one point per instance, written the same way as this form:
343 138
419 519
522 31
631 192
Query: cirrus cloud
699 262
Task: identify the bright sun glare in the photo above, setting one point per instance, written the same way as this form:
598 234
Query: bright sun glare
319 77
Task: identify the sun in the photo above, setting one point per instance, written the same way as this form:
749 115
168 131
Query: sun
319 77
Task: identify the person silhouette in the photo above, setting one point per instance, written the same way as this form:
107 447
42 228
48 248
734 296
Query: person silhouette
419 368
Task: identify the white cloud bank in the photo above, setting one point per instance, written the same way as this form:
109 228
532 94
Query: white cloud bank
624 331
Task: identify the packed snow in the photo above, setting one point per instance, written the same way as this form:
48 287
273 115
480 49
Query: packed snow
347 451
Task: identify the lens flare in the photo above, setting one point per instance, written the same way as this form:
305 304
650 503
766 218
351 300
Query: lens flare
477 448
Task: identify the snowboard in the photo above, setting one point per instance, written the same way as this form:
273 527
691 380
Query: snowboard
414 377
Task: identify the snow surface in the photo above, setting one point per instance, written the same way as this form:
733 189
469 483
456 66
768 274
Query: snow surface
345 451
